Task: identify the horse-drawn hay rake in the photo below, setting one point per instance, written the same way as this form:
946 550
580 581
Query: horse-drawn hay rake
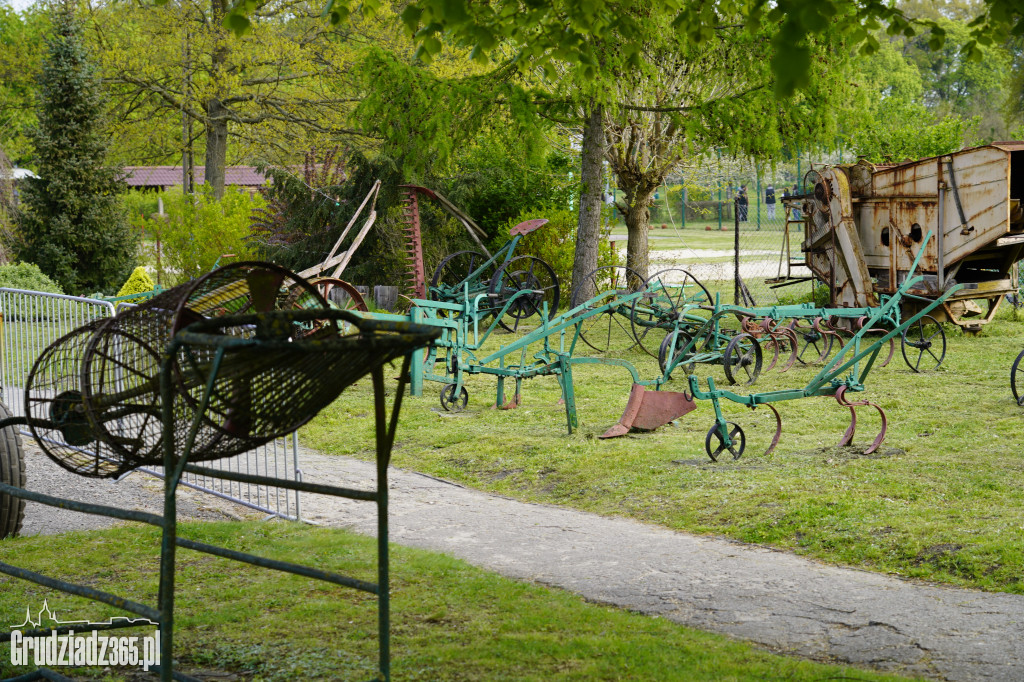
203 371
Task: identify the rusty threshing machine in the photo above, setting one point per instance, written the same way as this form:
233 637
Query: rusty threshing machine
863 224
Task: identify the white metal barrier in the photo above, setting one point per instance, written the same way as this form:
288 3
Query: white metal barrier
32 320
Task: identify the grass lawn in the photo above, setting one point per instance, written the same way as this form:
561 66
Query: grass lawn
450 621
942 500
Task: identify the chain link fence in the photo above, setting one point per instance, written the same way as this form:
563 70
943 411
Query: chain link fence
694 219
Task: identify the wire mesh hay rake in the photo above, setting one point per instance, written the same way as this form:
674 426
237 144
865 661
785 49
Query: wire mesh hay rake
208 370
95 393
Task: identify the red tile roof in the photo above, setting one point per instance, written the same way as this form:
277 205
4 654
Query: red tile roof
166 176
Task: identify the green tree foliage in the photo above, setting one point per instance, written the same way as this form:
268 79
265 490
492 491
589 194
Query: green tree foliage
905 131
199 229
21 50
72 224
964 87
138 283
281 88
494 181
693 98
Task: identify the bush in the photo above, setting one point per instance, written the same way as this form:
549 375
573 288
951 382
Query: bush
138 283
819 297
555 243
199 229
27 276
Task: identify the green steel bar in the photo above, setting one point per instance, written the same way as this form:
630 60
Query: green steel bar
287 567
256 479
758 202
568 392
383 557
418 357
82 591
84 507
736 250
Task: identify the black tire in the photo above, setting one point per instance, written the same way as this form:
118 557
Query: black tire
519 274
456 269
715 445
12 472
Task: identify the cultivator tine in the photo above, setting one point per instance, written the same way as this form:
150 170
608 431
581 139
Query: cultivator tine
789 335
416 277
848 436
778 429
892 347
647 410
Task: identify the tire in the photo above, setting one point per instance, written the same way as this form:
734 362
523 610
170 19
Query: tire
12 472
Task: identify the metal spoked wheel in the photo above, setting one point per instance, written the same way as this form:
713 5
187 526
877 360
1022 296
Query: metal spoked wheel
924 344
1017 379
671 293
525 273
681 340
12 472
456 269
714 442
451 401
609 332
742 359
815 345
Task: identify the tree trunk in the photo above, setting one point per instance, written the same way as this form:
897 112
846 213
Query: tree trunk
588 231
638 224
216 112
216 146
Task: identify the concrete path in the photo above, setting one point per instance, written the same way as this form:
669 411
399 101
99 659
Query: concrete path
776 599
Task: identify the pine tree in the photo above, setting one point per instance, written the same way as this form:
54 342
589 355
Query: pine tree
72 225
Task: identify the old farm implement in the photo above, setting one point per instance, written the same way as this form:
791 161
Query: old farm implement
197 373
693 335
864 222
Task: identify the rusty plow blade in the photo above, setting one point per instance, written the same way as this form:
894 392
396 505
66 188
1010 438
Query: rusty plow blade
848 435
647 410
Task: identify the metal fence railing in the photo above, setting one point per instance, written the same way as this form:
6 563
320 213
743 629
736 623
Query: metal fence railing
31 320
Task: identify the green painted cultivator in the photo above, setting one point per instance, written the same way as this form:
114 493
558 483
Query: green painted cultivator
675 320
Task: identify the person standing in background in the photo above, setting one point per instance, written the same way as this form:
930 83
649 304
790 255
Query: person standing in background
743 203
769 201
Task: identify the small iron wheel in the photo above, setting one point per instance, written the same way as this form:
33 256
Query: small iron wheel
1017 379
742 359
816 345
451 402
714 442
924 344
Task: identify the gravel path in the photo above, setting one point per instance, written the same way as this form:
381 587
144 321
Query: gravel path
138 491
776 599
